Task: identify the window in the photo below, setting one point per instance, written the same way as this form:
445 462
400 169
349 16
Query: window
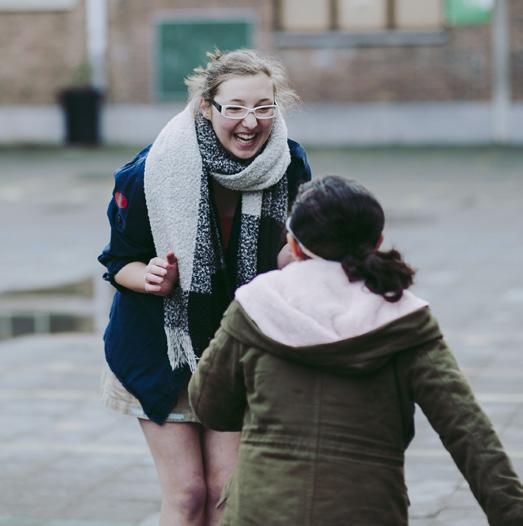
358 15
297 15
37 5
181 45
418 14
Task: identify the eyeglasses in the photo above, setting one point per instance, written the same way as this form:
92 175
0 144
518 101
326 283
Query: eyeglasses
231 111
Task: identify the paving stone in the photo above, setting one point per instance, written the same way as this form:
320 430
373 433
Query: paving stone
68 461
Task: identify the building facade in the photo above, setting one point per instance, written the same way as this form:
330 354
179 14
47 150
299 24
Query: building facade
341 52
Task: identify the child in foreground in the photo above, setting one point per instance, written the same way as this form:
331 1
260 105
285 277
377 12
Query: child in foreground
320 364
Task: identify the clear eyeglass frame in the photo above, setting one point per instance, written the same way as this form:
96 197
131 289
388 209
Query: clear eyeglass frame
238 113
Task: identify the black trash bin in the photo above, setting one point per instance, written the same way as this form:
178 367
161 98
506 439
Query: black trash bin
82 108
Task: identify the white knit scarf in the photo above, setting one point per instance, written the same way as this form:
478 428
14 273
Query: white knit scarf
176 185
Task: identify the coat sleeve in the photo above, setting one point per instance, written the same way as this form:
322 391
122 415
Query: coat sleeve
131 237
299 170
437 385
217 390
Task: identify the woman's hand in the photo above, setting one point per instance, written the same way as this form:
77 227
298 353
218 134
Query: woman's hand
161 275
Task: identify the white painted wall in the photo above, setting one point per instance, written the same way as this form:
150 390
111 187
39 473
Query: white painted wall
314 124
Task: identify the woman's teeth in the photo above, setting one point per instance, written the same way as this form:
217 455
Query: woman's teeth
245 137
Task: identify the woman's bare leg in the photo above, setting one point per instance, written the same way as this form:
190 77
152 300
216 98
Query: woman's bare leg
177 452
220 452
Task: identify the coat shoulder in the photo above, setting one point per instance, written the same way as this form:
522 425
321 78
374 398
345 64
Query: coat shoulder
132 173
299 171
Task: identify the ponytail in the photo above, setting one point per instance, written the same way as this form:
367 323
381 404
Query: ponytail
384 273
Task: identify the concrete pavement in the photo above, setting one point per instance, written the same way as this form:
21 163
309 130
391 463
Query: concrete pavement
67 461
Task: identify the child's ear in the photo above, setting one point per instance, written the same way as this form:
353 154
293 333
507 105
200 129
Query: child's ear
205 109
297 252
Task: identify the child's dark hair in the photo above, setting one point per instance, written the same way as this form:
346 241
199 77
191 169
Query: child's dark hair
339 219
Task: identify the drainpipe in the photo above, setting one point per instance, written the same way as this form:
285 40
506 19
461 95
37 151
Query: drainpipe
501 92
96 29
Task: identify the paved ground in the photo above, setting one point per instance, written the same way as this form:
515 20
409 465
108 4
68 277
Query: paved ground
66 461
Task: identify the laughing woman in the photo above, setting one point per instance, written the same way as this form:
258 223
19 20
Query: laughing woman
193 217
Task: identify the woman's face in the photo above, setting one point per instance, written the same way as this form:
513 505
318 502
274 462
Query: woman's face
242 138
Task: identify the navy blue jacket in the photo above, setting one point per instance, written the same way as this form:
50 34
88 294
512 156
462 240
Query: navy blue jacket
135 342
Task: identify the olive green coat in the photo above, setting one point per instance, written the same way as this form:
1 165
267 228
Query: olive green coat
324 428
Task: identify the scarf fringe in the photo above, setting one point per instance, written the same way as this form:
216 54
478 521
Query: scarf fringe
179 349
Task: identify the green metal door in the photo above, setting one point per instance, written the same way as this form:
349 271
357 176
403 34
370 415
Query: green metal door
181 45
469 12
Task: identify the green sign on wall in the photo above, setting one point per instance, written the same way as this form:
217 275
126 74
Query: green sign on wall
181 45
469 12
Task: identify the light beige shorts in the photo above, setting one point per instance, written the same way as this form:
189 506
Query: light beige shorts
115 396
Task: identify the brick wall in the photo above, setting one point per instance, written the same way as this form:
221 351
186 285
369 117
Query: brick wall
457 70
131 42
40 53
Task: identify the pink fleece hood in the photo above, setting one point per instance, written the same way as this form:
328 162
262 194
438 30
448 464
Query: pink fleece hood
312 302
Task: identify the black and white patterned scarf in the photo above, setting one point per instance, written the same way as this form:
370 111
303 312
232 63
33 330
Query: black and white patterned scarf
178 170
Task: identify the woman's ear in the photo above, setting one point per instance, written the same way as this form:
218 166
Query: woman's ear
297 252
379 242
205 109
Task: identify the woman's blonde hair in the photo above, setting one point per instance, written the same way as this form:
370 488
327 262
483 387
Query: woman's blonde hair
205 81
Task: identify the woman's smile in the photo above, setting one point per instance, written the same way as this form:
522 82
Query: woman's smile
247 142
245 138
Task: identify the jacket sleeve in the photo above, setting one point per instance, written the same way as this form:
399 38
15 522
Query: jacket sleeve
131 237
217 390
439 388
299 170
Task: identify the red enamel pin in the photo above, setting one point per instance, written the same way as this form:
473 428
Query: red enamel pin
121 200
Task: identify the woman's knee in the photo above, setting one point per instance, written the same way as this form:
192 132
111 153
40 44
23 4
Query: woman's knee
189 499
